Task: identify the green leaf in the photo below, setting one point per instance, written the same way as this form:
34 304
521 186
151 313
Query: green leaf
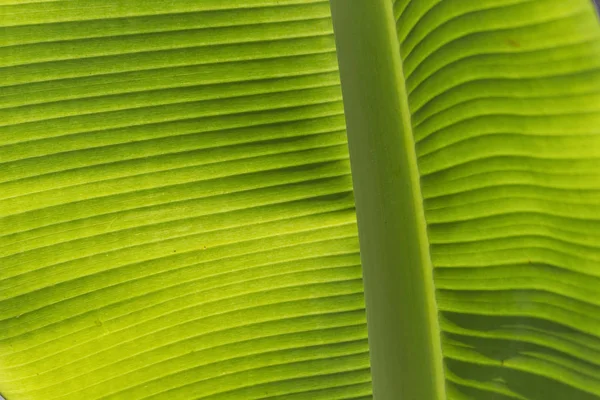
178 218
177 213
485 125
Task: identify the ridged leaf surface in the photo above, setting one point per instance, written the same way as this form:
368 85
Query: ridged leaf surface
504 100
177 211
177 216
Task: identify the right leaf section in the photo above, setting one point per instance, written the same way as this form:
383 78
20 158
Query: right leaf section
505 110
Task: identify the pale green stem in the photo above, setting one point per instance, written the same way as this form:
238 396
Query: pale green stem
404 334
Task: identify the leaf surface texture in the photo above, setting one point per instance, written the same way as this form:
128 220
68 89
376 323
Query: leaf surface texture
177 211
505 112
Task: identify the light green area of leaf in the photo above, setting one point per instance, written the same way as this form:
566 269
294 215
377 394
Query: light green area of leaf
177 210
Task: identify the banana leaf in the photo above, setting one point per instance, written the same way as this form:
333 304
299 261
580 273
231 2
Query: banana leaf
292 199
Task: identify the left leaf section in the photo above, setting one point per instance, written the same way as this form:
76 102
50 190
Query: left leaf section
177 217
